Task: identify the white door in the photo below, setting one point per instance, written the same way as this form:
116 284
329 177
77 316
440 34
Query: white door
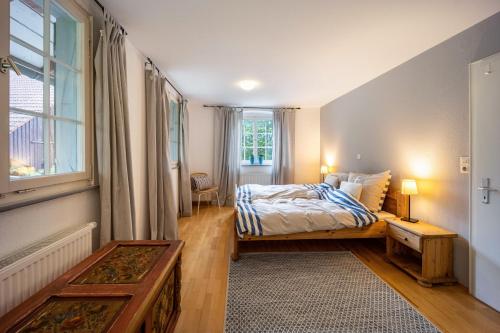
485 180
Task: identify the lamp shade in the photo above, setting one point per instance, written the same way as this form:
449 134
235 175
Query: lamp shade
409 187
324 170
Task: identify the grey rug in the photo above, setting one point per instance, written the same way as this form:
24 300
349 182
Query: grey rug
314 292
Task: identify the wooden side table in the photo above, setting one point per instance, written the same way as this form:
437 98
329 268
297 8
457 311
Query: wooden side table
423 250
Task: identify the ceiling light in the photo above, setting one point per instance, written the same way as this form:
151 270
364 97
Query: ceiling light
248 84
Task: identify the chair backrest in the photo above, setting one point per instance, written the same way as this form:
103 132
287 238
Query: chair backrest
200 181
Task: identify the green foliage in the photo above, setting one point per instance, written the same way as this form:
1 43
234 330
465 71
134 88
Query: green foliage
257 139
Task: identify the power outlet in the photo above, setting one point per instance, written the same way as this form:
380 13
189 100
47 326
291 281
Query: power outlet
464 164
358 156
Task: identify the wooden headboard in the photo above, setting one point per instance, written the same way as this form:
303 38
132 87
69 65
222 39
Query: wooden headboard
395 203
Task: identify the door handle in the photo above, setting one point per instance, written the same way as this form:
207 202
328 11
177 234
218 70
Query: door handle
6 63
487 189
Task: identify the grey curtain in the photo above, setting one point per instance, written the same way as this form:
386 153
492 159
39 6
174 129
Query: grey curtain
284 146
112 136
185 200
162 208
227 151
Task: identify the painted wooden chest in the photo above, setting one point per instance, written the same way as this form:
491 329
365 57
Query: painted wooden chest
126 286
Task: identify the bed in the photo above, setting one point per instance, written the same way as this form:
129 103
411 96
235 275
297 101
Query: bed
284 207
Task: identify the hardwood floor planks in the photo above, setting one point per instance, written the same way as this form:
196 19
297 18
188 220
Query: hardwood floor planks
205 269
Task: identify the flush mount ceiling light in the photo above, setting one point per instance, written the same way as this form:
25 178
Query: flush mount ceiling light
248 85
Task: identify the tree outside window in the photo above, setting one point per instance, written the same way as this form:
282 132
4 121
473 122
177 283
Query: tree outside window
257 141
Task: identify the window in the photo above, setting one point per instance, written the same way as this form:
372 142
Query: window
174 131
257 139
48 111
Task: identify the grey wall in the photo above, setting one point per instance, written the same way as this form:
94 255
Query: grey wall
414 120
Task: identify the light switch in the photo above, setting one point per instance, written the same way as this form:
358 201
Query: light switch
358 156
464 164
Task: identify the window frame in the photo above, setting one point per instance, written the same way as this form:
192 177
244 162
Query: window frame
255 116
48 185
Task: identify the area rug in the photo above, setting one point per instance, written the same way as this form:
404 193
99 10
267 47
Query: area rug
314 292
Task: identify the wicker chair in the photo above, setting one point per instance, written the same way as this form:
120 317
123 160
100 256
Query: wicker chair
206 191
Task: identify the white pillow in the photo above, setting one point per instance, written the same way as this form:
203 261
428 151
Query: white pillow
375 188
334 179
353 189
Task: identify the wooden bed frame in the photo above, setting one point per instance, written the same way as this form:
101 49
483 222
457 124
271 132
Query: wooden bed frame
394 203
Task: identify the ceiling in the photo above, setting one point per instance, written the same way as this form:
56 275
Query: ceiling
303 53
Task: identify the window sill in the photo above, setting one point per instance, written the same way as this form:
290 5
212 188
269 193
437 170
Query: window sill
15 200
256 165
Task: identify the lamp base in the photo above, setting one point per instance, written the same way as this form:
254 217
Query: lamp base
409 219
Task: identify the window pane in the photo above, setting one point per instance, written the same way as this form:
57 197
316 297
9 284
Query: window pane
247 126
269 154
248 153
269 126
40 146
248 140
26 141
66 87
260 152
26 22
261 140
64 36
67 147
26 91
261 126
45 145
269 139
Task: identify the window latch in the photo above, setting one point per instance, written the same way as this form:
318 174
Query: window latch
6 63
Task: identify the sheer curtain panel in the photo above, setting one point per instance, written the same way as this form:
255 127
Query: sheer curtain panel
162 208
185 199
227 151
112 135
284 146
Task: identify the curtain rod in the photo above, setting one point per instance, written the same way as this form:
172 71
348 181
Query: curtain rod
149 61
252 107
102 8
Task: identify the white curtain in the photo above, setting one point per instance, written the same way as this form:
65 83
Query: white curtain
162 208
186 204
284 146
112 134
227 151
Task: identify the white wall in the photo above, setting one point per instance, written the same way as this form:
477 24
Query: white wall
307 143
201 138
23 226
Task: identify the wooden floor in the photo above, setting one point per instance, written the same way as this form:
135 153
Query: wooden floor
205 267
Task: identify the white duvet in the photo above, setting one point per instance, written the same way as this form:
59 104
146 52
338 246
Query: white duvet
287 214
290 191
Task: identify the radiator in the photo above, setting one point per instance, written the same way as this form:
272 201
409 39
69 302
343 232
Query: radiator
28 270
255 178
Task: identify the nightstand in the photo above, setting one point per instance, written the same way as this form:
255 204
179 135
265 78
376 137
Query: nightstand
423 250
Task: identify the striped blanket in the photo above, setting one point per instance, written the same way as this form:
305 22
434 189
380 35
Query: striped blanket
330 209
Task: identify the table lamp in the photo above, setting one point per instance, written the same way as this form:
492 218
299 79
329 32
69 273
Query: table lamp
409 187
323 171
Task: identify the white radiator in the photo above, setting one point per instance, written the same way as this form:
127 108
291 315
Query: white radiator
26 271
255 178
